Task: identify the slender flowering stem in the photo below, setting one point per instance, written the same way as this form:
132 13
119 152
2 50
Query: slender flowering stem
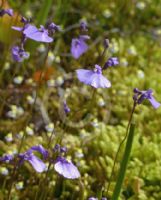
43 195
119 148
91 102
44 192
99 59
124 163
36 95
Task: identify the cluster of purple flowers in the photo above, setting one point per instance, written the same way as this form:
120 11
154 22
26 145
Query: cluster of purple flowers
140 96
29 31
78 45
61 165
93 77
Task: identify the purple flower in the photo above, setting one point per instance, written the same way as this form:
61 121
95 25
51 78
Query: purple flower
83 26
30 31
111 62
140 96
6 11
6 158
41 150
78 46
36 163
66 168
59 149
39 35
53 27
63 150
93 77
18 54
66 108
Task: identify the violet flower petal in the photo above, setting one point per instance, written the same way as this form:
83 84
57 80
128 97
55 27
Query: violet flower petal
19 54
93 77
9 12
16 28
41 150
78 47
99 81
36 163
66 168
154 103
6 158
84 75
38 35
6 11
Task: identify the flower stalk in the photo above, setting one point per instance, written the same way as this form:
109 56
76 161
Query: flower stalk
124 163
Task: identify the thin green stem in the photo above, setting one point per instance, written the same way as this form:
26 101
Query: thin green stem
124 163
119 148
100 58
45 191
